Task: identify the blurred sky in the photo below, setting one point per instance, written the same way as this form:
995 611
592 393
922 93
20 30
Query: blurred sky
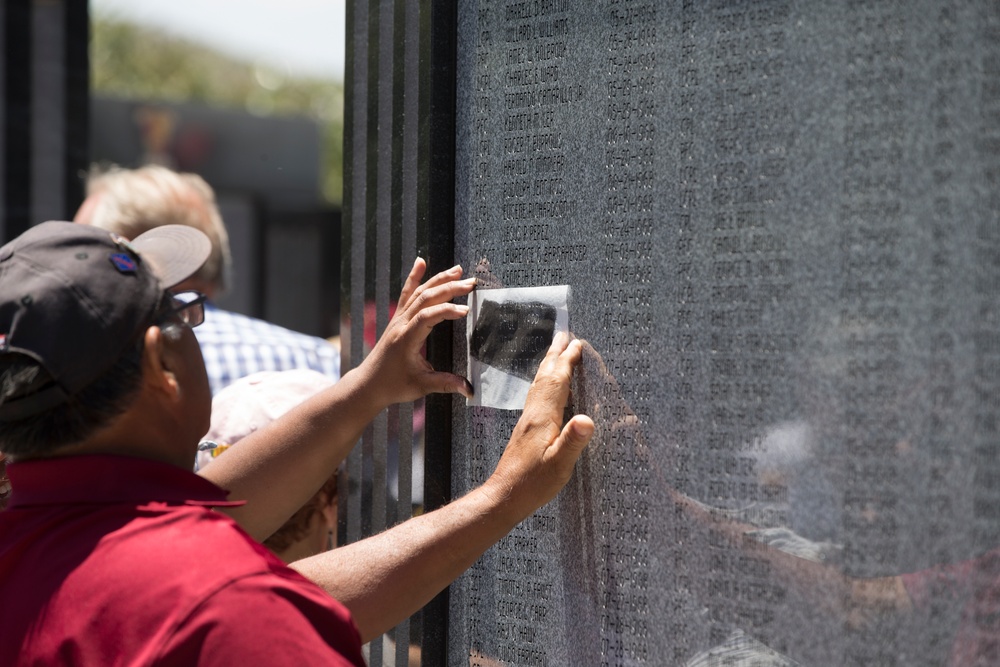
295 36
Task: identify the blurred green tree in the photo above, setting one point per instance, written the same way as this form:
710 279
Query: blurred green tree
136 62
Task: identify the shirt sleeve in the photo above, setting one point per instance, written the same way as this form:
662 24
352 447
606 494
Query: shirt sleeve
950 582
266 619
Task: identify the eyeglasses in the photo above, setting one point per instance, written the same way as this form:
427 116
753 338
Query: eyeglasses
188 307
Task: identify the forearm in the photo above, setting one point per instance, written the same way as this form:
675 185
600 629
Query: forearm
278 468
825 588
386 578
845 599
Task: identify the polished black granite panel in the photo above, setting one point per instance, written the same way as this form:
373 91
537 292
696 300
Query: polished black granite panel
780 222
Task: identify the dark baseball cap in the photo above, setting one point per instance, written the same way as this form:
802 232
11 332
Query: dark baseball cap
73 297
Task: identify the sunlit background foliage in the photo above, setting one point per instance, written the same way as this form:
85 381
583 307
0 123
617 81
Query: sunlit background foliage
134 62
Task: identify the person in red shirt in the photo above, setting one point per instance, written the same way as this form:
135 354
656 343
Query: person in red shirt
112 552
5 487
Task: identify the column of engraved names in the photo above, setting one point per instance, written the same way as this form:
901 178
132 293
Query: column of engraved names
871 322
626 225
684 273
478 579
986 507
483 107
749 276
537 99
939 427
532 249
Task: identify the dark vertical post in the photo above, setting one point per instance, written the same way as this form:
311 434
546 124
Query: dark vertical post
380 110
17 117
49 66
45 110
76 149
438 188
407 80
355 196
3 121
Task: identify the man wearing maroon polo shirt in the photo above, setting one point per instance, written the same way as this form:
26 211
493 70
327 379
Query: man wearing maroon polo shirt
113 553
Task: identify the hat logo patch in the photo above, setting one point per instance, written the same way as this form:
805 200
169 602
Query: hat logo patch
123 262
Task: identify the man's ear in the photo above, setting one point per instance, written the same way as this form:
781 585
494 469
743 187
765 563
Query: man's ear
158 363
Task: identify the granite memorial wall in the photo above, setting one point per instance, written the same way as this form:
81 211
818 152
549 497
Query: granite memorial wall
780 226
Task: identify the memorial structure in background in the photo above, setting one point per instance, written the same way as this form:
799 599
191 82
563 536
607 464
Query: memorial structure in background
780 227
44 88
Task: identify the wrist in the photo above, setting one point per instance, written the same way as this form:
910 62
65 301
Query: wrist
368 398
502 501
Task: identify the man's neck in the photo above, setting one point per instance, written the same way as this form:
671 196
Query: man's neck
138 433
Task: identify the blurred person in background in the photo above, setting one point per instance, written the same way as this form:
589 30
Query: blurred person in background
129 202
251 403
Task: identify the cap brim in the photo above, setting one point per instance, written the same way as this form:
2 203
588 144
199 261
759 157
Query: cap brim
174 252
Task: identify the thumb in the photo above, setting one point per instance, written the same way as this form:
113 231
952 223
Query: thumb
448 383
574 437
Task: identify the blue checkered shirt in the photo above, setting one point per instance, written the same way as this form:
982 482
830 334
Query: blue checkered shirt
235 346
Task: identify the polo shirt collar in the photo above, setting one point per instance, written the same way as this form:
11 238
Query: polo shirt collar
106 479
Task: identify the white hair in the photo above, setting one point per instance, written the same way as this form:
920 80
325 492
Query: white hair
132 201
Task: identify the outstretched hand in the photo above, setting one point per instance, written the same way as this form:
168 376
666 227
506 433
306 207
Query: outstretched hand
385 578
396 367
542 451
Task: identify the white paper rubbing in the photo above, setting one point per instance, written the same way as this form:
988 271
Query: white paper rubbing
509 330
